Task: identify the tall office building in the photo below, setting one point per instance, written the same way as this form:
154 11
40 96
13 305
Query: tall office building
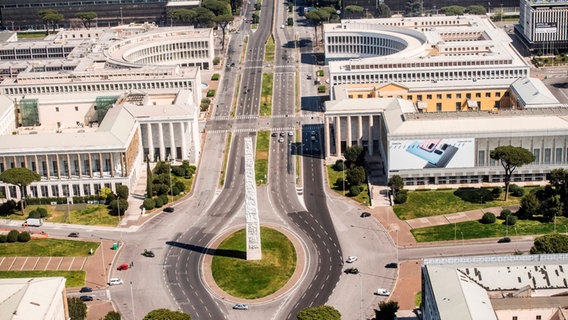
543 25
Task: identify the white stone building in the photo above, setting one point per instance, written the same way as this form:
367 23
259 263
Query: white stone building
33 298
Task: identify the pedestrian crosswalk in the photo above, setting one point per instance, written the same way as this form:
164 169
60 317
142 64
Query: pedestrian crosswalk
236 130
249 116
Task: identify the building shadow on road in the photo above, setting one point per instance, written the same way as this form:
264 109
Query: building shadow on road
213 252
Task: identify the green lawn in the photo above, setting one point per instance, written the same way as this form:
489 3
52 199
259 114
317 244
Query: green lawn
477 230
225 157
432 203
91 214
75 279
47 248
333 175
269 50
266 96
261 158
254 279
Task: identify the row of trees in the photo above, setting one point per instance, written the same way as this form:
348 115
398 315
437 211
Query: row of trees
413 8
354 170
159 182
387 311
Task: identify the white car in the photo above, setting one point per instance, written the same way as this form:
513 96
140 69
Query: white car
382 292
115 281
351 259
241 306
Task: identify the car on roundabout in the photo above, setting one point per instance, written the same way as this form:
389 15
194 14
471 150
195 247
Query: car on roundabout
504 240
73 235
169 209
351 259
382 292
148 253
365 214
240 306
351 271
115 281
123 266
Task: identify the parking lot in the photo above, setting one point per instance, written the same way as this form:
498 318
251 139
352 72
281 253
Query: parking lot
42 263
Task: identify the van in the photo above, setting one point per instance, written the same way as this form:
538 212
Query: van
115 281
32 222
382 292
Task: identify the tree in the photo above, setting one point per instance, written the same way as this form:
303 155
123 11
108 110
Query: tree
413 8
354 155
551 208
13 236
387 310
384 11
396 182
105 192
339 165
184 15
166 314
77 309
354 11
149 203
550 243
49 17
315 18
112 315
24 237
511 157
453 10
203 17
22 178
476 9
355 176
122 191
217 7
488 218
86 17
149 179
223 21
319 313
117 204
529 206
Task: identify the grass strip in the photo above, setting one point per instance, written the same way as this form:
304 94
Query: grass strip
225 157
266 95
261 157
269 49
47 248
74 279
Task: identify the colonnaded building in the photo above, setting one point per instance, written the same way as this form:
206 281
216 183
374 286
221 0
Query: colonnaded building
85 108
431 97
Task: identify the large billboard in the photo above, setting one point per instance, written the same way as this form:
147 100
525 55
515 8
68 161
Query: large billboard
431 153
545 27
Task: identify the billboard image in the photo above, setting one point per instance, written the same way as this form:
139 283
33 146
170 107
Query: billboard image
546 27
431 153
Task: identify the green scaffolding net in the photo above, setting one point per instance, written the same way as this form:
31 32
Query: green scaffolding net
102 104
29 112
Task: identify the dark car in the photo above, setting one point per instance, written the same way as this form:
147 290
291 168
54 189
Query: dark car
73 235
365 214
504 240
86 289
169 209
392 265
351 271
86 298
148 253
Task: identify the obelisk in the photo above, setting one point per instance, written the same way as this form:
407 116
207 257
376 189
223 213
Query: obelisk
251 205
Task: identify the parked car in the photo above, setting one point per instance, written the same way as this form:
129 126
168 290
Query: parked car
351 259
504 240
169 209
115 281
382 292
86 298
148 253
392 265
86 289
351 271
274 134
241 306
123 266
365 214
73 235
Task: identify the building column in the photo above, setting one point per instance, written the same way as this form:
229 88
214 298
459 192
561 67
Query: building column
172 142
111 164
183 141
349 138
371 135
37 164
338 136
150 141
69 167
58 166
161 141
326 136
48 173
79 167
101 164
90 165
360 131
123 164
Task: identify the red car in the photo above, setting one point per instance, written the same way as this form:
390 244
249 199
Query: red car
123 266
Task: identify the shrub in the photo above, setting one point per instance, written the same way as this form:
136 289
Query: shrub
149 203
516 190
401 196
321 89
158 203
164 198
42 212
12 236
215 76
319 73
505 213
178 188
178 171
511 220
24 237
210 93
339 182
216 61
122 191
488 218
354 191
33 214
496 192
3 238
339 165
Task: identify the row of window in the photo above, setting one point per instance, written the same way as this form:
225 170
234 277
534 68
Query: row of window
96 87
469 179
74 3
56 170
438 64
64 190
35 53
548 157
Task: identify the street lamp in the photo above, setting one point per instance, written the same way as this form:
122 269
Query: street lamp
118 209
170 175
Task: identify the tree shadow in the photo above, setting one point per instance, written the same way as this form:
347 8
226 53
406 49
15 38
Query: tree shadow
213 252
474 195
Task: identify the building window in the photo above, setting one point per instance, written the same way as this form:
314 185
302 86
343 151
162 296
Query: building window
438 96
536 153
429 96
558 156
481 158
438 106
468 95
448 96
419 97
487 94
538 317
498 94
515 318
56 109
458 95
478 94
409 97
458 106
547 155
76 108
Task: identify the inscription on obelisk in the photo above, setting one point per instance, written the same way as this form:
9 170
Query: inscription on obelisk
251 205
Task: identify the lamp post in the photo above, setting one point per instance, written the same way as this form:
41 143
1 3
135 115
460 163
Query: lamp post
118 209
170 176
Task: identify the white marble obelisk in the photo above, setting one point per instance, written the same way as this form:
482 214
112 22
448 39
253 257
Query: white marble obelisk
251 206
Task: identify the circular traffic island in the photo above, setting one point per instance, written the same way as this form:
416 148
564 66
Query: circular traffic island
253 279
